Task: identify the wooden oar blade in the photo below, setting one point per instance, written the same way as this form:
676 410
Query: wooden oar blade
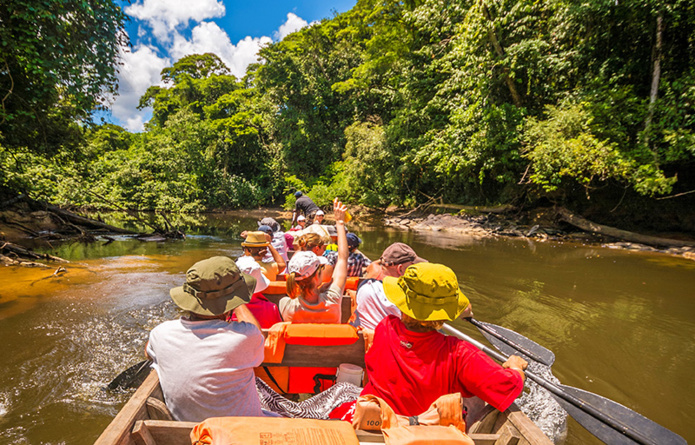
131 377
631 421
527 349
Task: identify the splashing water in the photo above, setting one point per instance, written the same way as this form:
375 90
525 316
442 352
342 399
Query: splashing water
541 407
4 403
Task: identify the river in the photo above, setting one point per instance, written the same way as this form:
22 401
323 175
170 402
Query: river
621 324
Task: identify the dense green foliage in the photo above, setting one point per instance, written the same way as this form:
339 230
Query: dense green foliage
58 61
405 101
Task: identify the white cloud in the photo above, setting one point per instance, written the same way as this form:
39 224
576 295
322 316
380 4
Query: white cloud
210 38
141 69
293 23
164 16
135 123
167 19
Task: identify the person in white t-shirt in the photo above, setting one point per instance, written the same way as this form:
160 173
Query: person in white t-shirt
372 304
204 360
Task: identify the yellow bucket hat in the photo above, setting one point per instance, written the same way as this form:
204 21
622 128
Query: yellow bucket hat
427 292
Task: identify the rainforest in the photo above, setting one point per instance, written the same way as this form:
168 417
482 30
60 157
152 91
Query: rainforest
586 105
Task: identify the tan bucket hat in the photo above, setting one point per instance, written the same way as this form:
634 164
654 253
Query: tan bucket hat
255 239
213 287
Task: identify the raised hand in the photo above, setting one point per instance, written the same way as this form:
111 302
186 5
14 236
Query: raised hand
339 210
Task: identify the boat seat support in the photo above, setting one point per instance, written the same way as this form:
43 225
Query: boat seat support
157 410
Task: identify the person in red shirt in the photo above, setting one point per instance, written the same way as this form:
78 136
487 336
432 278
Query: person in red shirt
410 364
266 312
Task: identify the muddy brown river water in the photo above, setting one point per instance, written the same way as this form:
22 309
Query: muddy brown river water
622 324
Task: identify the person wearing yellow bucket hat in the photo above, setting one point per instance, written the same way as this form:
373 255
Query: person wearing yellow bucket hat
204 360
411 364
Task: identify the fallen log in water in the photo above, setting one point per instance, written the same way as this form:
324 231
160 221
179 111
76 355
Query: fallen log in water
86 222
15 255
588 226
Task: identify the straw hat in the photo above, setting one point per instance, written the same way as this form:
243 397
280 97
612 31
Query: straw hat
255 239
427 292
213 287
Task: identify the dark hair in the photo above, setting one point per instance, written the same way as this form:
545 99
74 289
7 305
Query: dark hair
353 241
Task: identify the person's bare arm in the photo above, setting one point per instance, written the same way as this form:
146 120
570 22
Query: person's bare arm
340 269
276 256
244 314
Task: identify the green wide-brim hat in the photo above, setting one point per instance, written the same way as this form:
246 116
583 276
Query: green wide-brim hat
213 287
427 292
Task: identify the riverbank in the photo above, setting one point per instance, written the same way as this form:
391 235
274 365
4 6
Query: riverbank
540 224
23 225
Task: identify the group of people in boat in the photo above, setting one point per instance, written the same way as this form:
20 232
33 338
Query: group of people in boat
205 360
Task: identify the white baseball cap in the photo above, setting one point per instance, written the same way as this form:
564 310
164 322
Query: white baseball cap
319 212
303 264
301 218
248 265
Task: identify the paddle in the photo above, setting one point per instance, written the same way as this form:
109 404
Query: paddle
608 420
510 342
131 377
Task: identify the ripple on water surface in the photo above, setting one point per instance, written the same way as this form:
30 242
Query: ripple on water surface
58 360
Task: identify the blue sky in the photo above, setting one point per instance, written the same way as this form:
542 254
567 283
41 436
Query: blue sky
163 31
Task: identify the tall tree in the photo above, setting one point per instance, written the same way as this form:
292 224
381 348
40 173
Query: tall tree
301 75
58 61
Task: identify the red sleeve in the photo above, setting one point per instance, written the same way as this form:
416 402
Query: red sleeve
483 377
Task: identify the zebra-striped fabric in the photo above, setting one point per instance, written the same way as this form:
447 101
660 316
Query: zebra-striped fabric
316 407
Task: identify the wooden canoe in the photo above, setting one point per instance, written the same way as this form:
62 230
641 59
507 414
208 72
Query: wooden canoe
144 420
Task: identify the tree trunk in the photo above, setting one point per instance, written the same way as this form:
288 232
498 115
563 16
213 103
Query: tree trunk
588 226
656 76
516 98
85 222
